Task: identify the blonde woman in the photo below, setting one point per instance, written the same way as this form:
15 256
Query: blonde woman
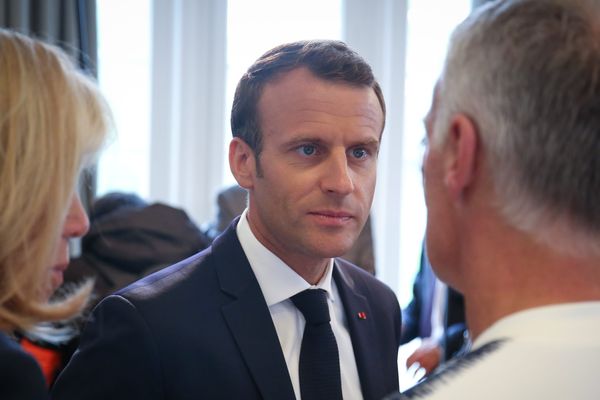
52 121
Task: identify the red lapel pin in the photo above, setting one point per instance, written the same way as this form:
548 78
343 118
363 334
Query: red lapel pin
362 315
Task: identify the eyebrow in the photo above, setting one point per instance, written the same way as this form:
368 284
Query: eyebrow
304 139
319 141
370 142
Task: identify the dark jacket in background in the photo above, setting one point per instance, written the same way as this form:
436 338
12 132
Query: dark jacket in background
131 241
416 317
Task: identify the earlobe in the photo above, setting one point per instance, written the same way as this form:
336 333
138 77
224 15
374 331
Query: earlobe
462 151
242 163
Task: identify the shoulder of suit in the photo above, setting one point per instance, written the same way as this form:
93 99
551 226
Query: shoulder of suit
168 278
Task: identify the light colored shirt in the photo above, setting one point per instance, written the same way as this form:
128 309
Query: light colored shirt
550 352
278 283
438 309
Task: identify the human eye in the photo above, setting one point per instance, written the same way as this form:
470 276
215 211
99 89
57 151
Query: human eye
360 153
307 150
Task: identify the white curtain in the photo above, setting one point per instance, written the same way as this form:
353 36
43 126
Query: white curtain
376 29
188 98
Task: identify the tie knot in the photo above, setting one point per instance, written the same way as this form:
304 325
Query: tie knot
312 303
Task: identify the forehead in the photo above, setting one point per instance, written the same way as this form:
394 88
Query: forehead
298 96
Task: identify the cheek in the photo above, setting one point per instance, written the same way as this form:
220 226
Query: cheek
370 191
438 246
433 183
363 179
425 176
438 233
61 253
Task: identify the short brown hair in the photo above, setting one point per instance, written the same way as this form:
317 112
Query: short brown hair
326 59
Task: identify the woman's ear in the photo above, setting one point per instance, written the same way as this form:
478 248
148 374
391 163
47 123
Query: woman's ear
242 162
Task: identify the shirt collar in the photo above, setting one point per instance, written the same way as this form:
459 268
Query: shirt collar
276 279
556 321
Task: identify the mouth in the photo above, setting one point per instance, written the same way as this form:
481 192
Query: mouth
57 275
331 217
60 267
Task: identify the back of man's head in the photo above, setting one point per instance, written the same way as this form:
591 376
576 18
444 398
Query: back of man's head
528 73
327 59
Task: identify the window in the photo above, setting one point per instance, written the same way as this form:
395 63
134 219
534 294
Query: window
430 23
124 78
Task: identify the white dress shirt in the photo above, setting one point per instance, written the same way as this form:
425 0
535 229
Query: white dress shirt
278 283
438 310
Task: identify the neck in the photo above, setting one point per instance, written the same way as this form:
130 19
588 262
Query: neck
504 276
311 274
310 268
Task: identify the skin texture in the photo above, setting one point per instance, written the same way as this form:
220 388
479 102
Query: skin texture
311 189
435 198
76 224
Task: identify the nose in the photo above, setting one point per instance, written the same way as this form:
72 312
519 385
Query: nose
77 222
337 177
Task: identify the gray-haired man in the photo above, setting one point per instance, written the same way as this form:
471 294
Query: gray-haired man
512 182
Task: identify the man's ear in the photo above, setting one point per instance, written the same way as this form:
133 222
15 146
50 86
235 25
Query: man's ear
242 163
461 161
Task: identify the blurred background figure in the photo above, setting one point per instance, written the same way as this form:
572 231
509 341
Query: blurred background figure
232 201
129 239
53 121
436 315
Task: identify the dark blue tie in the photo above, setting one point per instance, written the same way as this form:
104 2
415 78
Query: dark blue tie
319 366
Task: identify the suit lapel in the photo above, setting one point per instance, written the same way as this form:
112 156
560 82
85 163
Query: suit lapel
362 331
249 320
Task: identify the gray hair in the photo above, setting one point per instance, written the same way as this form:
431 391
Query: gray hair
528 73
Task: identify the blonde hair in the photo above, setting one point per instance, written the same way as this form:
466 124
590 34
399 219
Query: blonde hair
52 121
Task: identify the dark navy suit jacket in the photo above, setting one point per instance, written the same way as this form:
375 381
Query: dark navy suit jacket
20 375
202 329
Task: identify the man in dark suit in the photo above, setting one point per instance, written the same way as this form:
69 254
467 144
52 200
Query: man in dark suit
307 120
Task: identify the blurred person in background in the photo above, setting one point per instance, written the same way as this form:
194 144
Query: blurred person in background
436 315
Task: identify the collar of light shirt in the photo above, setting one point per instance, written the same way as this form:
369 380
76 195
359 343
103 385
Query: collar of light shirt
277 281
